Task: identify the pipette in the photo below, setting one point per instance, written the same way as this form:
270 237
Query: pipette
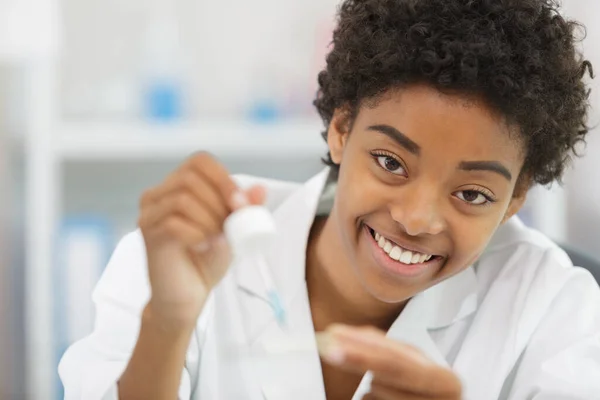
250 230
284 347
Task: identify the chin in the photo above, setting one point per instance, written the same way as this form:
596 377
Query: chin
384 290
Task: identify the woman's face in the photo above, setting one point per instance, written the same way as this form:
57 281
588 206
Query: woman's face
425 179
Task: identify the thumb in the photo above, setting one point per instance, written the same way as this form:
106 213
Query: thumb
255 195
214 260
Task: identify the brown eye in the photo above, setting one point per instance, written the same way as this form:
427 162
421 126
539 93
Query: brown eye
472 197
390 164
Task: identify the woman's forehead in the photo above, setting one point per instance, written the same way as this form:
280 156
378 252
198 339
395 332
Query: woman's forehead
444 122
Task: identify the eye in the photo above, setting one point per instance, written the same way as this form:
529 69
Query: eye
390 164
473 197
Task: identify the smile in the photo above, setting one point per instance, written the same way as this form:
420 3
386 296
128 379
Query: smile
397 252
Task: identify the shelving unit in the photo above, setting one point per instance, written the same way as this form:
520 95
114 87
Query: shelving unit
41 176
133 141
29 43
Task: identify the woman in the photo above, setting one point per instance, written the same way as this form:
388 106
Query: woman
440 115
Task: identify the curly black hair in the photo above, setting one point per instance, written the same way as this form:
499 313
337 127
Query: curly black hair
518 56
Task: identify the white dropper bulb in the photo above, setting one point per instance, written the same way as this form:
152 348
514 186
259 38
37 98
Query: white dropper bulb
250 231
249 228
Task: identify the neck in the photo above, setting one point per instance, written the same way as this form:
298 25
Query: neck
335 292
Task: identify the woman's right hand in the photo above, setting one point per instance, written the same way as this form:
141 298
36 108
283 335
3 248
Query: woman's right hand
181 221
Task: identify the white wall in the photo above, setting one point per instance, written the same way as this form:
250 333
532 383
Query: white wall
583 182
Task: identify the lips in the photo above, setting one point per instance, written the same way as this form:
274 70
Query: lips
398 252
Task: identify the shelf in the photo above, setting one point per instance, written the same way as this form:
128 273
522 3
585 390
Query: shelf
134 141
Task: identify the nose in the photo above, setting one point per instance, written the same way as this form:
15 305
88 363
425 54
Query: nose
418 210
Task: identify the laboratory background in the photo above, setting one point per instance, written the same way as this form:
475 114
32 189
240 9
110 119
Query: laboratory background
100 99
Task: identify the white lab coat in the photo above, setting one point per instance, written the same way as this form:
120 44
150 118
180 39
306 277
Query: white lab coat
523 323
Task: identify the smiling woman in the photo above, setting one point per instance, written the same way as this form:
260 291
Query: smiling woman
417 281
431 175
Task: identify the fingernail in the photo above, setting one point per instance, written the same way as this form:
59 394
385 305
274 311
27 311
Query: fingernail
239 200
329 349
202 247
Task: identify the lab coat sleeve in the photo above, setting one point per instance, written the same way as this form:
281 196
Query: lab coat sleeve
91 367
562 360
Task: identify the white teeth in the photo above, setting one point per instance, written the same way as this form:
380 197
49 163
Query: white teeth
406 257
388 247
396 253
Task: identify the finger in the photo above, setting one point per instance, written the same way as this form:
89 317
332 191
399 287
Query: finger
217 176
184 205
385 392
181 230
173 182
382 392
187 206
434 381
256 195
361 348
394 394
369 396
196 184
398 365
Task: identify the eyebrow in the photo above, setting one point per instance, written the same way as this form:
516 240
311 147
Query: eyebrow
492 166
398 137
412 147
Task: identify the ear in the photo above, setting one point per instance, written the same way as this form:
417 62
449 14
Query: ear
337 135
519 197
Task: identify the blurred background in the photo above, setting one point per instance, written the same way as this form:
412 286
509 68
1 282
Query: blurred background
100 99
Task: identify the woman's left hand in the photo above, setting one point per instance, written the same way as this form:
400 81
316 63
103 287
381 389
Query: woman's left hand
400 372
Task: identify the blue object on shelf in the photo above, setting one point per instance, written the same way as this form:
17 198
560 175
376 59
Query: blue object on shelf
164 101
264 111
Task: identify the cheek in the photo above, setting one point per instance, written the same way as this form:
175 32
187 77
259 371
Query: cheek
357 197
359 191
357 202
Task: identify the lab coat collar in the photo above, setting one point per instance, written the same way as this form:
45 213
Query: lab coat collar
278 376
436 308
451 300
286 259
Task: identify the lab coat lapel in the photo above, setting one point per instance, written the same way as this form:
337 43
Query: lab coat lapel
436 308
296 376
